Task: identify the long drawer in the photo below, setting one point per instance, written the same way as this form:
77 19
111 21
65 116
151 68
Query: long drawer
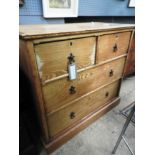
112 45
77 110
53 58
62 91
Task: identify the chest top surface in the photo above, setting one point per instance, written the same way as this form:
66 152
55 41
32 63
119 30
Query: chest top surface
48 30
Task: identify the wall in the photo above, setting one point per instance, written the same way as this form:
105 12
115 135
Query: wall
105 8
31 12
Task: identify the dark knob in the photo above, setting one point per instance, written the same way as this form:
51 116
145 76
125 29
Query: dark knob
71 43
111 73
71 58
72 115
72 90
106 94
115 48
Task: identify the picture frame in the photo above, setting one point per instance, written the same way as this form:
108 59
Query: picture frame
21 3
131 4
60 8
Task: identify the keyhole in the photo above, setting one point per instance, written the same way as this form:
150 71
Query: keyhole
72 115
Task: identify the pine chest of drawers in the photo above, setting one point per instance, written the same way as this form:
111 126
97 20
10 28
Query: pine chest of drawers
65 106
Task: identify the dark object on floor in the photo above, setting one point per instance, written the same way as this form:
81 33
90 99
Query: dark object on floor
130 64
28 129
132 111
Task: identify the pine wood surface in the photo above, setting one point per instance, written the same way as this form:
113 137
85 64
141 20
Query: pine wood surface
43 31
28 65
68 133
78 35
62 119
56 93
44 51
113 45
52 58
130 64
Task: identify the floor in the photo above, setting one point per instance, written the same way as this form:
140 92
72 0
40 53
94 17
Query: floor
100 137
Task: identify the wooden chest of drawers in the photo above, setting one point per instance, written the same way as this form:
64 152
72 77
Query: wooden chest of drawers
65 106
130 62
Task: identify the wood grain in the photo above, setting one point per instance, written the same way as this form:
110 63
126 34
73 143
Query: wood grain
48 30
57 94
80 125
107 43
52 58
43 57
63 118
130 64
77 36
28 65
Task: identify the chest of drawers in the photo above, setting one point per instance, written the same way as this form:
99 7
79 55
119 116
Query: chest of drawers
64 106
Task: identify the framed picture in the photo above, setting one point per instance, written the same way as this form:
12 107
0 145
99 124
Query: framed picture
131 3
21 2
60 8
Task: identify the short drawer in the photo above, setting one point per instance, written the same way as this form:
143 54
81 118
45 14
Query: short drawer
112 45
53 58
62 91
79 109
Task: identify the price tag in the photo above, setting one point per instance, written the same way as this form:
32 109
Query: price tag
72 71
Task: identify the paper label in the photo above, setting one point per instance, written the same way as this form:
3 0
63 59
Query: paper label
72 71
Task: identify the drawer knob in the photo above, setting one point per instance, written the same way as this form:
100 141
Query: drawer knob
111 73
72 115
71 58
106 94
72 90
115 48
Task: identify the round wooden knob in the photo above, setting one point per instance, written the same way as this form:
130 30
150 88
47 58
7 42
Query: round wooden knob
72 90
111 73
115 48
72 115
71 58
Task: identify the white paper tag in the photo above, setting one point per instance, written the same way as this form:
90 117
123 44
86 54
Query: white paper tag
72 71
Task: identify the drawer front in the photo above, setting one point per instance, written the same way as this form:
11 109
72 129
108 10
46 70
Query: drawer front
52 58
77 110
113 45
62 91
